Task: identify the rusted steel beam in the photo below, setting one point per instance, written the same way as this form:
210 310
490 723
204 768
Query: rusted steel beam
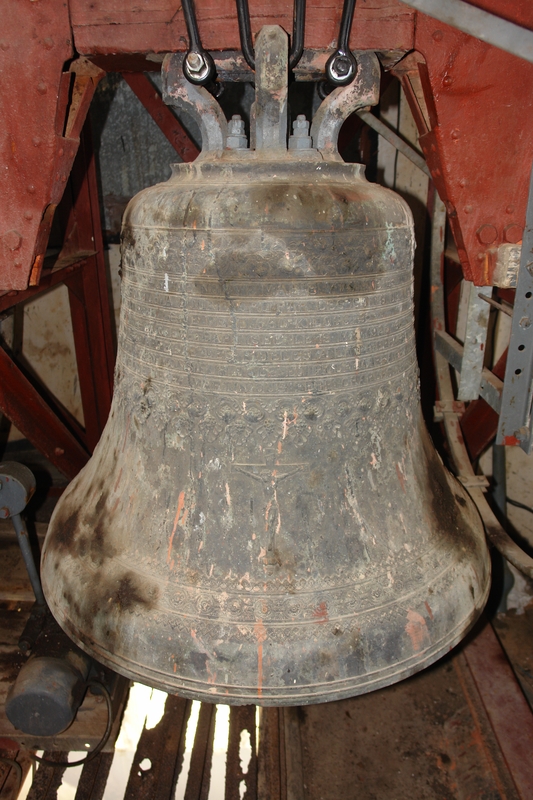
151 99
24 406
163 747
271 769
241 719
93 778
507 708
199 777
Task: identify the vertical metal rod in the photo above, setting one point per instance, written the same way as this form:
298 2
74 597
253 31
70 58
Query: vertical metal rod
189 15
245 32
500 477
348 10
341 67
27 555
198 65
298 28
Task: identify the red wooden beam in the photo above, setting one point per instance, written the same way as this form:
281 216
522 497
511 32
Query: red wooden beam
151 99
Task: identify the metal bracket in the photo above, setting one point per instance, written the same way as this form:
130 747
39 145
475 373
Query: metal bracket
194 100
474 481
490 387
270 111
443 407
515 426
363 92
477 322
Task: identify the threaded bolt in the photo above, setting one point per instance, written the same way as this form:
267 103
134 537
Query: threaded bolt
236 139
300 139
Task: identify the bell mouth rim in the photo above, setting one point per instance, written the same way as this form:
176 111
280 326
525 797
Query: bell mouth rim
341 689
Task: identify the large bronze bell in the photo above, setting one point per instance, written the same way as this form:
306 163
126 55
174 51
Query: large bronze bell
265 519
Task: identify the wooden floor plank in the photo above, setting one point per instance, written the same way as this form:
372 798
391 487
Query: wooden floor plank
48 779
202 753
241 718
161 748
93 779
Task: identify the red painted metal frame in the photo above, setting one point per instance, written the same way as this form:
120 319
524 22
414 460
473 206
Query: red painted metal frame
42 426
89 297
51 429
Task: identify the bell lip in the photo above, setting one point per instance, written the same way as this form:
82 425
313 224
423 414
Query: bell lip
340 690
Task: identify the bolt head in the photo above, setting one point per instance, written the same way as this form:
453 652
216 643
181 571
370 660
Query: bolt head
195 62
342 66
487 234
513 233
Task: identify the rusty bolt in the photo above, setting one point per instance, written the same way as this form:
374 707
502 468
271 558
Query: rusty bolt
12 240
456 133
487 234
195 62
4 45
438 35
42 88
31 188
58 451
300 140
468 209
448 80
37 141
513 233
510 209
48 43
525 322
28 215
